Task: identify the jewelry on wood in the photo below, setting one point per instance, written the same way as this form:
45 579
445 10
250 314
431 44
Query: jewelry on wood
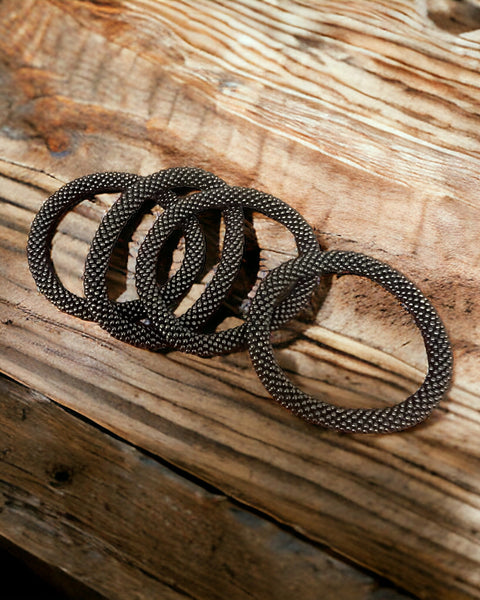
150 322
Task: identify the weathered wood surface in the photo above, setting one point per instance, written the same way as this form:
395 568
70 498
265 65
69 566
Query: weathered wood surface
362 115
129 527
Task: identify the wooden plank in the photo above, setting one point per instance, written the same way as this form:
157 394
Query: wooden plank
124 525
362 115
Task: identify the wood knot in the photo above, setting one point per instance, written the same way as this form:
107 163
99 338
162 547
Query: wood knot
455 16
61 475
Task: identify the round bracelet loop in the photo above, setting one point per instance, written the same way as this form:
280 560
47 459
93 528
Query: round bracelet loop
411 411
182 337
154 188
43 229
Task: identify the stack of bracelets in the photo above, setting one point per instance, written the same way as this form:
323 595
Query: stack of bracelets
149 322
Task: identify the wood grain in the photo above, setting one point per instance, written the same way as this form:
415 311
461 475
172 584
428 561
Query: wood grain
130 527
363 116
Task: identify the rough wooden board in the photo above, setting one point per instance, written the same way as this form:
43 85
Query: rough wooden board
126 526
364 117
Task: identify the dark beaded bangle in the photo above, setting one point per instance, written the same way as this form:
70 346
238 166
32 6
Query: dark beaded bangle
182 337
411 411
